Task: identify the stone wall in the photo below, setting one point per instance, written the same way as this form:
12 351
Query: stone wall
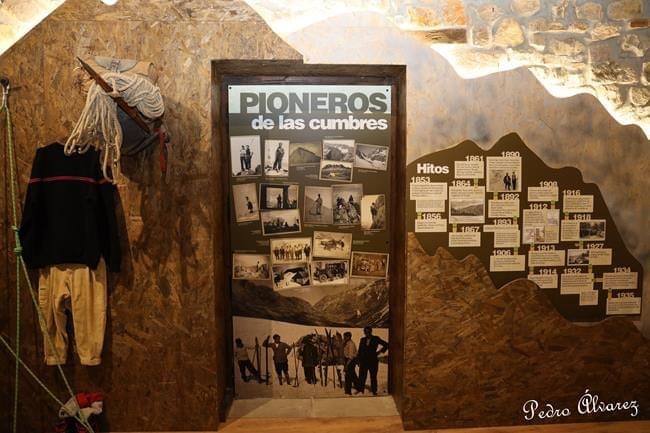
597 47
572 46
161 358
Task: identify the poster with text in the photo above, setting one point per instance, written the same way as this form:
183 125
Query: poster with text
310 238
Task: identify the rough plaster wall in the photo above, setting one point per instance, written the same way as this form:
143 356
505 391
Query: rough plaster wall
17 17
597 47
572 46
444 109
160 356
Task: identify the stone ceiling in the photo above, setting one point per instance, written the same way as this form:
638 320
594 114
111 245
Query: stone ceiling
597 47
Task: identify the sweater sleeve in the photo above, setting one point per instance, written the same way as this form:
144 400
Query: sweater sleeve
30 226
111 250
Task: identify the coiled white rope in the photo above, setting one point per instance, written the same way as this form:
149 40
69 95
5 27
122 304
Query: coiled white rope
99 122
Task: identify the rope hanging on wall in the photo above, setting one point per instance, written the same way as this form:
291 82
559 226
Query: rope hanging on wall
21 269
99 118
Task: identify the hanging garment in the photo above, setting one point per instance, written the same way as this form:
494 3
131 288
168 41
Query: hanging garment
69 213
83 291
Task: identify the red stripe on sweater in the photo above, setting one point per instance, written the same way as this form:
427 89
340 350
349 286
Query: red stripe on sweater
66 179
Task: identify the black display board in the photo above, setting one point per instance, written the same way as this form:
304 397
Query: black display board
310 224
524 219
304 171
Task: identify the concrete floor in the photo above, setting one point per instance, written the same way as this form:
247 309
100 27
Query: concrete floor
368 415
313 407
392 424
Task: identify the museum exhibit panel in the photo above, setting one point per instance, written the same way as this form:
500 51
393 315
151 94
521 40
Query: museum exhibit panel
309 232
326 216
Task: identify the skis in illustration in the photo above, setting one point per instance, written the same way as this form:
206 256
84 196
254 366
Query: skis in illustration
266 356
295 360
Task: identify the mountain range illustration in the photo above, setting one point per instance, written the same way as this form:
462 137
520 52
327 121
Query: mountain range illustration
354 307
534 172
475 353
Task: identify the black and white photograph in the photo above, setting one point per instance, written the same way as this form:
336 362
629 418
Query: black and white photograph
250 267
373 212
276 158
280 222
577 257
291 275
553 217
338 150
541 226
278 196
316 365
305 153
503 174
371 157
245 155
318 205
333 245
369 265
592 230
245 200
290 250
316 322
533 234
466 204
346 200
325 272
467 211
310 329
336 171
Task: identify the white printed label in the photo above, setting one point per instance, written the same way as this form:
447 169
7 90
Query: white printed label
431 225
508 263
544 281
628 305
600 256
589 297
541 226
429 205
543 193
429 191
546 258
506 238
503 208
469 170
573 284
620 280
570 230
578 204
465 239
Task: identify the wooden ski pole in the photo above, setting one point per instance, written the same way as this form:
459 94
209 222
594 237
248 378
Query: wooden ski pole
320 358
295 360
330 355
266 344
257 358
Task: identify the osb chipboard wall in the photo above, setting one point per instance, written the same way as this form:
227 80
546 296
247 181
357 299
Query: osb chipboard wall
160 358
475 353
